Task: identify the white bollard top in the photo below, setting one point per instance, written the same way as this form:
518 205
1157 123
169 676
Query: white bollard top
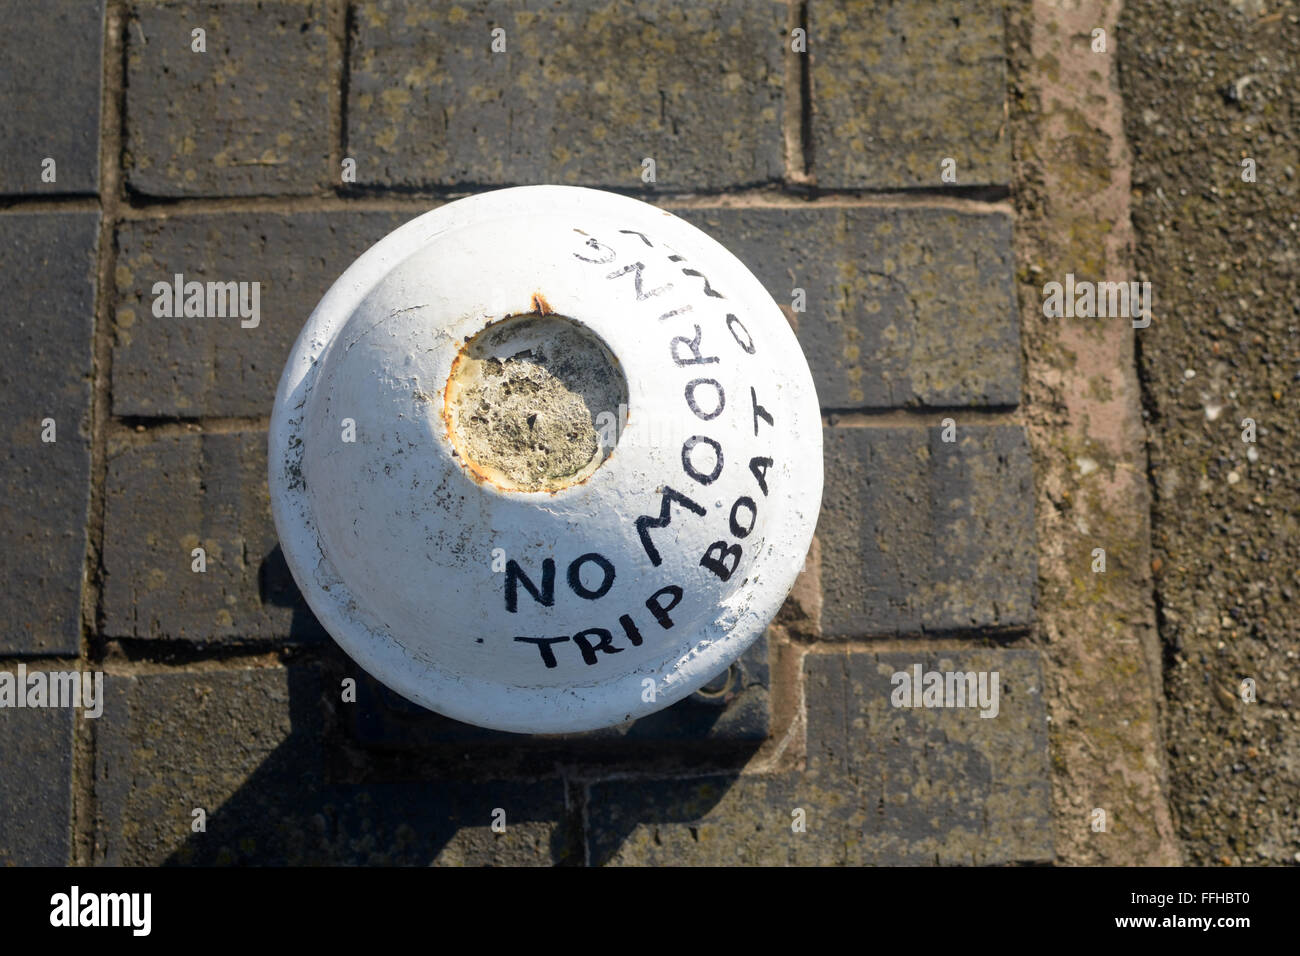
546 459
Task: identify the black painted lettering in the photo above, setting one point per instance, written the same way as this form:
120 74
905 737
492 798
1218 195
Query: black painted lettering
689 467
748 344
758 467
633 232
544 645
747 503
515 576
660 610
695 383
604 645
718 564
630 629
575 576
636 268
708 289
694 345
759 410
645 522
602 260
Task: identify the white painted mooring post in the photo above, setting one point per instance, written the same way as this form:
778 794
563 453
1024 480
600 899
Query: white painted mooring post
546 459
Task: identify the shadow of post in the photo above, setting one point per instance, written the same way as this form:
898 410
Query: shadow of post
383 781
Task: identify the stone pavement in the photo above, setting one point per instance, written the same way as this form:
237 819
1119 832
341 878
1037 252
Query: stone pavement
1216 202
303 132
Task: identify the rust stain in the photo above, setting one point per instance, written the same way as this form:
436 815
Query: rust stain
465 462
542 307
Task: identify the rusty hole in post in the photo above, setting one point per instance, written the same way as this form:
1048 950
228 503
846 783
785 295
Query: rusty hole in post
530 401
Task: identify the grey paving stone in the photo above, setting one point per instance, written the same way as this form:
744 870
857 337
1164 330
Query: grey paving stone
904 306
715 820
583 93
918 534
941 785
911 305
250 116
47 303
170 495
36 785
882 785
217 740
200 367
899 85
49 95
246 747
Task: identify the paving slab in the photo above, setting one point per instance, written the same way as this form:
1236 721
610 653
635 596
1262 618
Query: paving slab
923 535
247 116
50 113
167 497
244 746
581 94
36 786
221 363
883 785
898 86
47 287
900 306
